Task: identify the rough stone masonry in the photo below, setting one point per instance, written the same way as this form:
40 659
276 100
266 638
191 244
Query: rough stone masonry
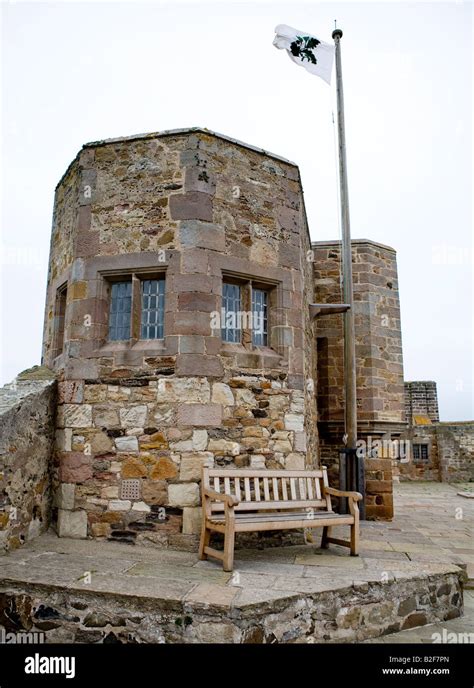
137 417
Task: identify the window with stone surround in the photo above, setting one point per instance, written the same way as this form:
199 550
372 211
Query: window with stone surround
137 307
421 453
59 317
245 312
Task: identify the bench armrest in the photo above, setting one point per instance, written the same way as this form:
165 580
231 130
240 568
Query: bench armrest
230 500
356 496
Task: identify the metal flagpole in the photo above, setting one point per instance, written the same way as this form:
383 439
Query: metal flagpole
351 466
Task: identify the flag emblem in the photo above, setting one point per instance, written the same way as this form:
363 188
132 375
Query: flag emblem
306 50
303 46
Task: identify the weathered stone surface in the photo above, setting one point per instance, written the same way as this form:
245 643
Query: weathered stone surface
133 416
192 518
134 468
163 468
75 415
126 444
183 494
75 467
72 524
119 505
64 497
222 394
200 414
192 463
224 446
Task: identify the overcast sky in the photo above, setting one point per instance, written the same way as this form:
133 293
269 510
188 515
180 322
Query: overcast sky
78 72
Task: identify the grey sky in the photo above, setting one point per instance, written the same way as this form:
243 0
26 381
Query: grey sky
78 72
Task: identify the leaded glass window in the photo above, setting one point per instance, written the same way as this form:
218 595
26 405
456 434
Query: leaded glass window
153 309
420 453
230 325
259 317
120 310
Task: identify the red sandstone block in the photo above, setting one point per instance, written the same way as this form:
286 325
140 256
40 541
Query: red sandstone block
194 260
187 322
75 467
70 392
195 301
193 205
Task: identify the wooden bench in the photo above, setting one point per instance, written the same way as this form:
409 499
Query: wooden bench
246 500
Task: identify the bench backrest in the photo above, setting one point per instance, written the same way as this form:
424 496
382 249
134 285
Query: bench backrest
269 489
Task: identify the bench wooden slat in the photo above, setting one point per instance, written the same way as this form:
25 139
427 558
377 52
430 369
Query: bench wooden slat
302 488
293 488
226 485
254 506
284 489
318 488
263 473
266 491
309 486
248 495
256 484
237 488
217 484
276 496
288 516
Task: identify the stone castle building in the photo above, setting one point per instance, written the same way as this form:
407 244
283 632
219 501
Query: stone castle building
162 247
442 451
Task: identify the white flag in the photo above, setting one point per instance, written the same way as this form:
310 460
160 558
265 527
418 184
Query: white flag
306 50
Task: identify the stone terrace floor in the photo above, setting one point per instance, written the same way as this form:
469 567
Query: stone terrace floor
433 527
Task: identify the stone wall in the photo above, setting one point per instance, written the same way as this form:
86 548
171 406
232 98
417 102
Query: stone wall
196 208
344 613
421 399
27 410
379 359
450 453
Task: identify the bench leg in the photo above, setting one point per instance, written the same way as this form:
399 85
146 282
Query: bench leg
326 535
205 540
355 538
229 543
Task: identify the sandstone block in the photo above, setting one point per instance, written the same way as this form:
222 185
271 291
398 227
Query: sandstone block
200 414
72 524
222 394
199 440
294 422
119 505
192 463
224 446
128 443
75 415
192 519
133 416
64 498
183 494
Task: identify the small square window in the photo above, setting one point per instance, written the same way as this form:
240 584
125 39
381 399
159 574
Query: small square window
152 309
230 326
420 453
120 311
